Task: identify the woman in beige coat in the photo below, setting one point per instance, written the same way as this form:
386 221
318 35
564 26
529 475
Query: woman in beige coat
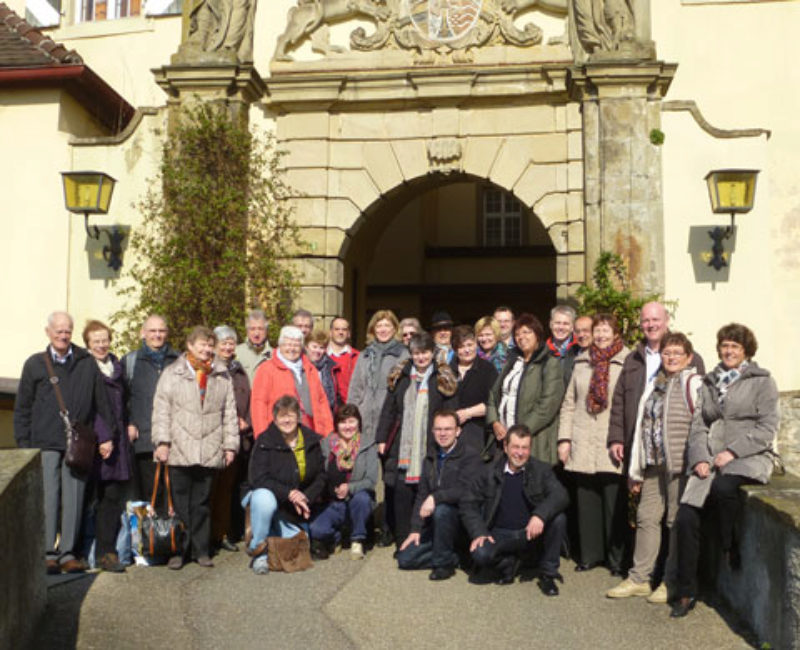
583 430
196 432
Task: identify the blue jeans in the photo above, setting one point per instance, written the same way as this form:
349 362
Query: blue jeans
436 546
510 544
328 522
265 520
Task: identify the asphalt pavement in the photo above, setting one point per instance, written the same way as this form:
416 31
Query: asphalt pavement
343 603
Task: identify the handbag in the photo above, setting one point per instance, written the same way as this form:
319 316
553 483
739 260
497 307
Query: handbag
162 536
81 438
289 554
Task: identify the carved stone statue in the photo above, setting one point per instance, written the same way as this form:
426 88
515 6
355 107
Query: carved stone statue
608 28
218 29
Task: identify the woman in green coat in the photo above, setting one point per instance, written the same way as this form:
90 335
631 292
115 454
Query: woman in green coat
529 390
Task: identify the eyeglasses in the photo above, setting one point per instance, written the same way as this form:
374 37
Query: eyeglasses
673 354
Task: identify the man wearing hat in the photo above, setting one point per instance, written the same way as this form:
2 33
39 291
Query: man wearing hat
441 330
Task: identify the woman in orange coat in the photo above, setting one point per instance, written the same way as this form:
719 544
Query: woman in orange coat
289 372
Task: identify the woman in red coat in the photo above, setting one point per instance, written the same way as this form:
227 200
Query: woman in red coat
289 372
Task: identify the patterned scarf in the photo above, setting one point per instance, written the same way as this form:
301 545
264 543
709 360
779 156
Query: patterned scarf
156 356
653 421
600 360
496 356
201 371
414 429
726 377
560 350
345 452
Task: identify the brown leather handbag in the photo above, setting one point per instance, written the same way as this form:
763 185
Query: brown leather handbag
81 443
162 536
289 554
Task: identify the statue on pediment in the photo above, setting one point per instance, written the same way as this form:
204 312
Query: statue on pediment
612 29
217 31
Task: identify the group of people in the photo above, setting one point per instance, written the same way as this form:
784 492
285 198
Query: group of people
498 445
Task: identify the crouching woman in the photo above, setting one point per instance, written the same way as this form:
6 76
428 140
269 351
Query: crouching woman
287 475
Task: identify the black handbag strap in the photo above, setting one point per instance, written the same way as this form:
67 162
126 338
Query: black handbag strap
54 381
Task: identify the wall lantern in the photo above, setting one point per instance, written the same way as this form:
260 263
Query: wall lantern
730 191
90 193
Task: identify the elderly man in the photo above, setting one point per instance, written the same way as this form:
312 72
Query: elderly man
639 370
505 320
256 348
446 473
343 355
143 368
290 372
561 344
304 321
38 425
514 508
583 331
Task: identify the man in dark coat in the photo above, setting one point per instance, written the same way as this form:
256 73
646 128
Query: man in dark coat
38 425
562 344
446 475
516 507
143 367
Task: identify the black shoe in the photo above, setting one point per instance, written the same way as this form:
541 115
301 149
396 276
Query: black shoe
586 566
386 539
507 568
319 550
616 572
548 586
682 607
442 573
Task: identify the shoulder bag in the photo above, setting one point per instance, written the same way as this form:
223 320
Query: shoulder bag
81 438
162 536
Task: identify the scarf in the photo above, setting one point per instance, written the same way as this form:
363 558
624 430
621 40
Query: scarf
560 351
106 367
497 356
377 350
345 452
201 371
725 378
299 451
413 431
157 357
600 360
295 366
508 401
653 421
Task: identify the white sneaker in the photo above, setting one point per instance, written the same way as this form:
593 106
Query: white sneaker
260 565
659 596
356 550
628 588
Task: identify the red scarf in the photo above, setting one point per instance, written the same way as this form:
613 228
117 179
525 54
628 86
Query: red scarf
556 350
600 360
201 369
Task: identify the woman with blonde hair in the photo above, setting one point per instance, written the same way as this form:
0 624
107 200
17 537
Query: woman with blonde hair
490 347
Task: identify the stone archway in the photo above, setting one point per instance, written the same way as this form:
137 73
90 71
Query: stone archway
357 141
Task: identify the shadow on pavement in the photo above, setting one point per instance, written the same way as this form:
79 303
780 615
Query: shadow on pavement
58 626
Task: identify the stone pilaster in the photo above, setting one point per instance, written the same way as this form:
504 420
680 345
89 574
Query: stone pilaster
623 208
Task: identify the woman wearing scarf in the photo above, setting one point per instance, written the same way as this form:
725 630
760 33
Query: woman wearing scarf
113 462
490 347
290 372
731 443
417 390
195 432
601 500
657 469
286 479
329 371
352 470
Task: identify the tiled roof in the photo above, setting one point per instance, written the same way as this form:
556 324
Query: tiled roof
22 45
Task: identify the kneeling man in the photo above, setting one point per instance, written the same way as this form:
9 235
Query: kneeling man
446 474
516 508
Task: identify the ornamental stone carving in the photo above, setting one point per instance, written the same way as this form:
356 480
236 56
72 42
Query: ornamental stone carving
217 31
444 155
612 29
421 25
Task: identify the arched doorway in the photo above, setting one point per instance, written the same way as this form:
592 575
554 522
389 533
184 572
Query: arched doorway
448 241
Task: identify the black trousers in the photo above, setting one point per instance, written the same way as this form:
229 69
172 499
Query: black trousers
191 492
602 517
111 496
724 501
403 497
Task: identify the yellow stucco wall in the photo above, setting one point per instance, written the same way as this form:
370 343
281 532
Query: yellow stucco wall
733 61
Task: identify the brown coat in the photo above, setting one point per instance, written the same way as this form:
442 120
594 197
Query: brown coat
197 433
588 431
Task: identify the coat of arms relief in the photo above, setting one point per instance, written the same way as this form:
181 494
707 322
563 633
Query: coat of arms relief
593 28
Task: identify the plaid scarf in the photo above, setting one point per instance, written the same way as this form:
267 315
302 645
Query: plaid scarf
201 370
600 360
414 429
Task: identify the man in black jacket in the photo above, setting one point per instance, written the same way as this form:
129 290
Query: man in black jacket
446 475
38 425
143 368
517 507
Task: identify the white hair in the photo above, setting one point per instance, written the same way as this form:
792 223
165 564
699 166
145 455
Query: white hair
225 332
563 309
51 319
290 332
255 314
